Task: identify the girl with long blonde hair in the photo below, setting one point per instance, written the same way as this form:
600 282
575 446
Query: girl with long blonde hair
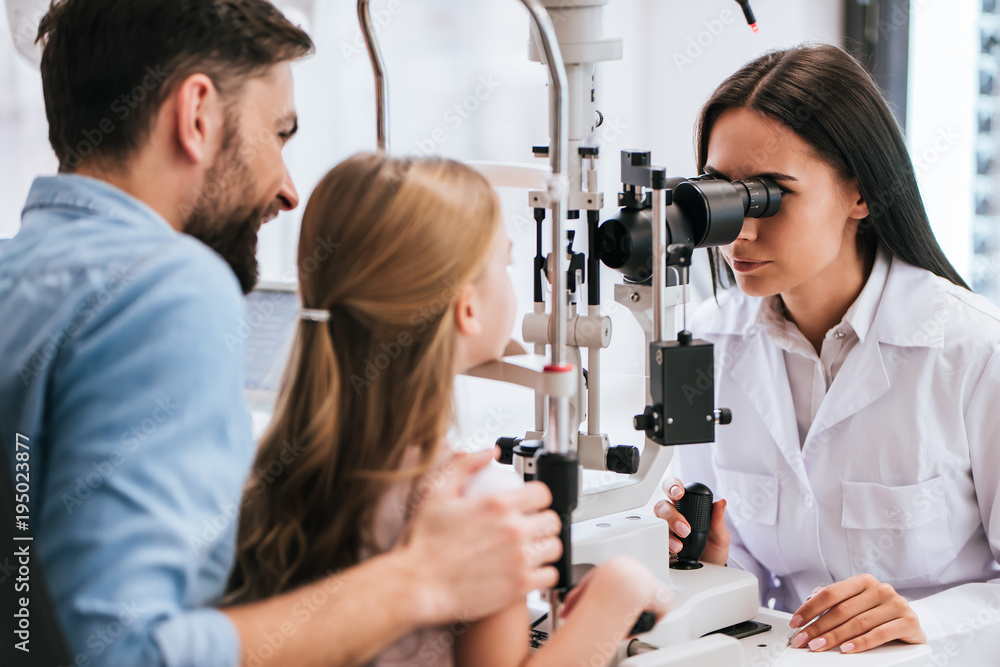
414 292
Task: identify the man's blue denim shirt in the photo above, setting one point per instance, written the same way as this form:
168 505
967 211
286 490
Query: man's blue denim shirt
122 364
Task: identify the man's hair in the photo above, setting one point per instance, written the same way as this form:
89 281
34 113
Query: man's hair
108 65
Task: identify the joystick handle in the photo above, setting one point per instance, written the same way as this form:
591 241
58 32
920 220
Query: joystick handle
696 507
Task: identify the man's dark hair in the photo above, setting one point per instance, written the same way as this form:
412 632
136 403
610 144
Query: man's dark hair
108 65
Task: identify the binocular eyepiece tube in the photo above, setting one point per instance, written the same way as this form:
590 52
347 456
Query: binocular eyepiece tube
701 212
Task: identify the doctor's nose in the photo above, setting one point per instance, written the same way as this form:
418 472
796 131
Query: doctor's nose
749 230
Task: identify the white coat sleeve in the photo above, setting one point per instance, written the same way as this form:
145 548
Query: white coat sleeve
962 624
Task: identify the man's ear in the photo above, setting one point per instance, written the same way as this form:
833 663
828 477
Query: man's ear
199 117
859 210
467 312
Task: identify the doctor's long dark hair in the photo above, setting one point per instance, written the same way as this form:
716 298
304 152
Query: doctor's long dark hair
829 100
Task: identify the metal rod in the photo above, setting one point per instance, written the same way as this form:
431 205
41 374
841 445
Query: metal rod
378 67
594 382
558 192
659 279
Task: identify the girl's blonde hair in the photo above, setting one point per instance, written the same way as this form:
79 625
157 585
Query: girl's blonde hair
387 245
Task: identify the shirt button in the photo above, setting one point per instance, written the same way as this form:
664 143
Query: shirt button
839 334
808 503
892 512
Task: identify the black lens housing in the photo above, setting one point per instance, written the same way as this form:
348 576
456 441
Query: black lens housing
702 212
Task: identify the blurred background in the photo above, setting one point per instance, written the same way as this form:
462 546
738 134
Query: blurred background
461 85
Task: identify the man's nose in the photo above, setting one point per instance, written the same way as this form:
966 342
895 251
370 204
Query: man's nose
287 195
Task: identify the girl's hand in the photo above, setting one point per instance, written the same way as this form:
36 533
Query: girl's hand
856 614
625 579
717 550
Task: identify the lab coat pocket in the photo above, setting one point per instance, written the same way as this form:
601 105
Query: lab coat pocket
897 533
752 507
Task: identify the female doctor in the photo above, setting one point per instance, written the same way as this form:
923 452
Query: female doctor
862 467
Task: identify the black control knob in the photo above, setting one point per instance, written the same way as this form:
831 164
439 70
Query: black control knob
507 446
649 421
623 459
696 507
645 623
724 416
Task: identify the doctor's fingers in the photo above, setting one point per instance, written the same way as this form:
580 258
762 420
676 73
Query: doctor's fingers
867 630
864 611
679 527
834 594
899 628
673 487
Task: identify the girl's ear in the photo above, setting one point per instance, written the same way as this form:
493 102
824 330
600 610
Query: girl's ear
467 321
859 208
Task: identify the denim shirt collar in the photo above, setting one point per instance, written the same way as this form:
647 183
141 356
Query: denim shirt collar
89 196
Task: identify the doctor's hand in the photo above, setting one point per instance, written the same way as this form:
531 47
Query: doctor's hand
717 549
856 614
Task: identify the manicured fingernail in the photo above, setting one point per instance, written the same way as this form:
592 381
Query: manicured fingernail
682 528
796 622
846 648
676 491
675 545
817 644
800 640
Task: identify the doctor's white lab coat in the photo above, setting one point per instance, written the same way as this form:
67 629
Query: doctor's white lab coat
899 475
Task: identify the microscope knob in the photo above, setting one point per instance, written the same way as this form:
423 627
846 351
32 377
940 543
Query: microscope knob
623 459
648 421
645 623
507 446
724 416
696 507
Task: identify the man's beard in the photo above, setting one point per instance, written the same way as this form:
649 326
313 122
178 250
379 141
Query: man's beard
224 222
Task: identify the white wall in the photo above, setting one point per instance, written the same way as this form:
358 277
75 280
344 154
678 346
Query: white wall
24 143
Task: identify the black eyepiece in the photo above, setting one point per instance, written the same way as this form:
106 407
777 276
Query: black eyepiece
761 197
701 212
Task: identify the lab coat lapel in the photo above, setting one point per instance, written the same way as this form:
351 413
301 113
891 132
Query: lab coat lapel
860 382
760 373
